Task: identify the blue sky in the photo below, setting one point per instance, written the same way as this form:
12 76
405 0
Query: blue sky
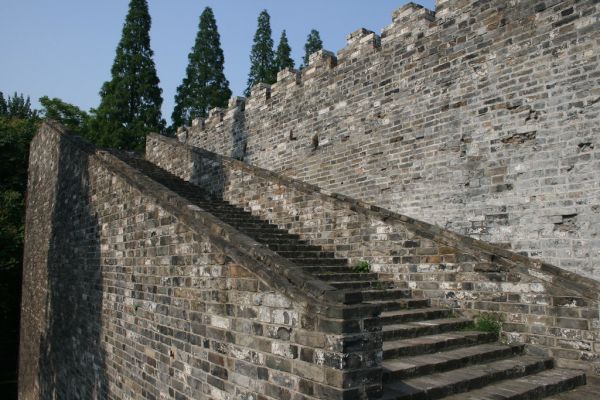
65 48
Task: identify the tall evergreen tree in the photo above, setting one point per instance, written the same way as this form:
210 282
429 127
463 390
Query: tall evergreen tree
262 60
283 55
205 85
17 106
313 44
2 105
131 100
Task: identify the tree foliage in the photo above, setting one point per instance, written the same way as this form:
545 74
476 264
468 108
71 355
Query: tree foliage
262 59
283 55
17 106
131 100
313 44
18 123
71 116
2 105
205 85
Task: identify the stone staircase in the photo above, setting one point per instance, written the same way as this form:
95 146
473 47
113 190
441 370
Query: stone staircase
428 353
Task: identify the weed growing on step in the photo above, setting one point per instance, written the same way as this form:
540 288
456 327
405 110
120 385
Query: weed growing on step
487 322
362 266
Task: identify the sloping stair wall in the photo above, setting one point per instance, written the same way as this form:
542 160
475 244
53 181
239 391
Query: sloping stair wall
427 351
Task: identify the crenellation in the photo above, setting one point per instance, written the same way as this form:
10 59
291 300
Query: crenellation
409 20
259 93
446 9
236 102
361 43
320 64
215 116
412 12
287 79
198 123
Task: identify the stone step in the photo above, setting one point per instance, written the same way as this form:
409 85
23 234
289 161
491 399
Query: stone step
348 276
589 391
232 214
252 225
322 269
435 343
387 305
535 386
389 294
443 384
320 261
409 367
291 247
279 241
306 254
268 235
373 284
424 328
410 315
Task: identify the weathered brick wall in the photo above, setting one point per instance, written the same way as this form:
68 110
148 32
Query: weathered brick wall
132 292
542 305
483 119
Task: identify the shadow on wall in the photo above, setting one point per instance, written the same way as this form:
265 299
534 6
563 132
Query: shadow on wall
71 355
239 135
209 174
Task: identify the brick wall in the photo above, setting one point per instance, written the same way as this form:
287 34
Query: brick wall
130 291
482 118
553 310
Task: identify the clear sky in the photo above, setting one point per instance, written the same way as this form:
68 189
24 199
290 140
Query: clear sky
65 48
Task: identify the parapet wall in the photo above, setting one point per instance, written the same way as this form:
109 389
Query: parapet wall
482 118
555 311
131 291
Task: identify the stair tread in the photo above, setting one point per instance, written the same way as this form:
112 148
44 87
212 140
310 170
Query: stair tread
527 385
384 303
589 391
442 357
417 324
460 376
409 311
432 339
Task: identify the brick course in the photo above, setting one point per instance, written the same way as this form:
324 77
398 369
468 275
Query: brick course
554 310
132 292
482 118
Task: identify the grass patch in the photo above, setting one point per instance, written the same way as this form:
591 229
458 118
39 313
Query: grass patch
362 266
486 322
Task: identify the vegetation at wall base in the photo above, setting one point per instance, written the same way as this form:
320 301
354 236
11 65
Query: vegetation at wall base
486 322
362 266
18 123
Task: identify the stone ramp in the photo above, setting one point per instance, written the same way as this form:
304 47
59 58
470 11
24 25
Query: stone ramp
428 353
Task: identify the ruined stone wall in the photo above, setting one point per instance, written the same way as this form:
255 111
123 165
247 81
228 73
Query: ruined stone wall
132 292
553 310
482 118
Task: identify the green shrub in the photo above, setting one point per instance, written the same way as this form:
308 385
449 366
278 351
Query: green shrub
488 322
362 266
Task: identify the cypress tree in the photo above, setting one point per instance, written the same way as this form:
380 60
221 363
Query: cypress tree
313 44
262 60
131 100
283 58
2 105
205 85
18 106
